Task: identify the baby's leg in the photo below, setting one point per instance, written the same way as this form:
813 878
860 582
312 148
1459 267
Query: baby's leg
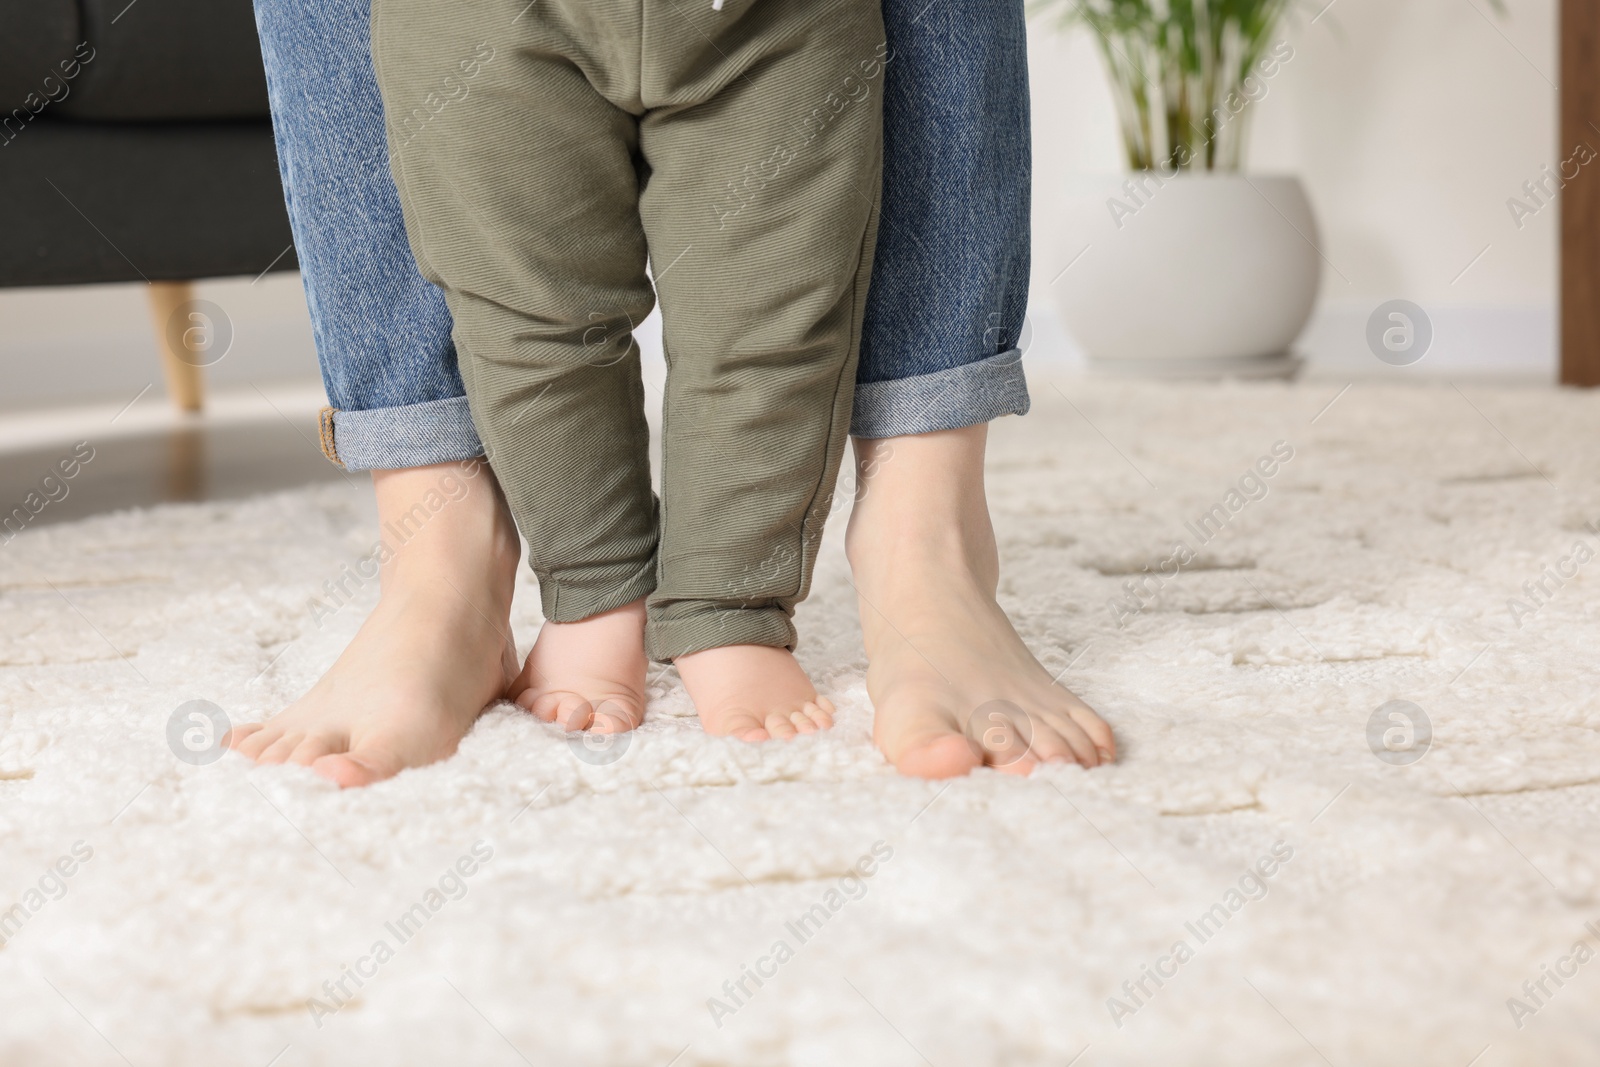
761 211
520 188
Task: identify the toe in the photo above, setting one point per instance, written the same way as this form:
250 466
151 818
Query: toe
350 769
574 712
540 707
314 748
234 738
1099 733
615 717
280 749
740 725
779 726
802 722
260 740
1019 767
568 710
1058 736
1049 746
948 755
1094 728
1003 731
820 712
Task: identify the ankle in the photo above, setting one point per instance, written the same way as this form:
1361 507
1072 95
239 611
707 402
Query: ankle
888 550
625 617
920 512
445 530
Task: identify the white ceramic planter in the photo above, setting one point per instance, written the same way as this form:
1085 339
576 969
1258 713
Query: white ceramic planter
1191 274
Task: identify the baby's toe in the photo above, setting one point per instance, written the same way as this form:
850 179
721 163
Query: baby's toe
745 727
574 712
542 707
615 717
820 712
568 710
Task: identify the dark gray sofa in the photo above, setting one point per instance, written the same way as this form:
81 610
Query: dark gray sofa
135 146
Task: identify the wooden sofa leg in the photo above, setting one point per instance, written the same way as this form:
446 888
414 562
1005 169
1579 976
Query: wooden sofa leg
183 377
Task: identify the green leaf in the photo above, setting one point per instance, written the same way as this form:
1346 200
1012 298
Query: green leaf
1185 74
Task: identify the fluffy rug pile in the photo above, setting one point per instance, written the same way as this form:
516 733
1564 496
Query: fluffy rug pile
1286 867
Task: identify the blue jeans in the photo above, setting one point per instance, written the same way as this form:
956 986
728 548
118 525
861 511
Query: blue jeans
949 286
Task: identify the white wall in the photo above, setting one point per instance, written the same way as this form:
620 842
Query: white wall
1411 123
70 344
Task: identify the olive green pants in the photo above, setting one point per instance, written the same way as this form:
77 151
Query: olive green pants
544 152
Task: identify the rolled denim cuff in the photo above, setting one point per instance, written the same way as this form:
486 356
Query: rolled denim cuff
412 435
944 400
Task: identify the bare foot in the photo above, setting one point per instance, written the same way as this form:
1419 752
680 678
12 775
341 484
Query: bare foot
953 687
435 651
753 692
588 675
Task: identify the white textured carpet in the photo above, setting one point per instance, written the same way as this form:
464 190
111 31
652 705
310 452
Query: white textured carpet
619 898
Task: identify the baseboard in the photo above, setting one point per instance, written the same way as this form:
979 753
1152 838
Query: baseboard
1470 341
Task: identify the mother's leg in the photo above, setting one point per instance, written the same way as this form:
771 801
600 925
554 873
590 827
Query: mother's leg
437 648
939 358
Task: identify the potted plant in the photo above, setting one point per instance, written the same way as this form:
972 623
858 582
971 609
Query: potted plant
1189 266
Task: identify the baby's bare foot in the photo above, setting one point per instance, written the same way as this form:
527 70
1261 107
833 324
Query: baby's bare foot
753 692
588 675
432 655
953 687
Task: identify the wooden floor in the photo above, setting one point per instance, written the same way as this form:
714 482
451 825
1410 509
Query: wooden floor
176 465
